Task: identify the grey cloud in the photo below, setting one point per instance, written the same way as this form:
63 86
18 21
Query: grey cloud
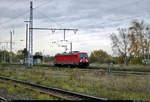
10 13
95 14
79 11
83 14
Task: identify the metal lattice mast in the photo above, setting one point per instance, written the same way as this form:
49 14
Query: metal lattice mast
27 49
148 46
31 35
10 56
26 37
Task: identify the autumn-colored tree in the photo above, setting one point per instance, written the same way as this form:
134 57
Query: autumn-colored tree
139 42
132 43
100 56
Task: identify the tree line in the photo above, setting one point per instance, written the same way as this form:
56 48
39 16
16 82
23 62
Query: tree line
130 45
20 55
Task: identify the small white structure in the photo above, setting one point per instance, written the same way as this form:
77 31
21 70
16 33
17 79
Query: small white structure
37 61
20 61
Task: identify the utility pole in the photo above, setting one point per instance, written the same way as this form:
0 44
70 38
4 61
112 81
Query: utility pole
148 61
64 34
27 59
27 56
4 54
27 36
10 54
30 63
71 47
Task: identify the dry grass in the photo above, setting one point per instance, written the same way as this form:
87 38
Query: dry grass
121 67
94 82
23 92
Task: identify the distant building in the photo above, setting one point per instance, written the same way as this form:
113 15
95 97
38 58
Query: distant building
20 61
37 59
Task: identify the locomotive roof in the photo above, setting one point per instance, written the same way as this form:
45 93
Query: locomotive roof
73 52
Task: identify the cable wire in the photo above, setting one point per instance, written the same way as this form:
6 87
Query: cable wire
22 14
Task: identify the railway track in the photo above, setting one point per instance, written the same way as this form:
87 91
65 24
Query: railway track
2 99
89 68
59 93
99 68
115 71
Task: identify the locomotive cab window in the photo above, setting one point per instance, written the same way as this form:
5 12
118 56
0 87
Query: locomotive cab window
83 56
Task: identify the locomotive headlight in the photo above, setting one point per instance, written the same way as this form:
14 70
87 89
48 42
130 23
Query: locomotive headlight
86 60
80 60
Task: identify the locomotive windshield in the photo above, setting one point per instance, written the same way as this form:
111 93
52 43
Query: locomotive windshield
83 56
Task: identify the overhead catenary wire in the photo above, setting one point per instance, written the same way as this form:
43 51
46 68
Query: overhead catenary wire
22 14
44 15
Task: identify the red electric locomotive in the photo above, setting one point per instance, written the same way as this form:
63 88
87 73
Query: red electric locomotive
75 58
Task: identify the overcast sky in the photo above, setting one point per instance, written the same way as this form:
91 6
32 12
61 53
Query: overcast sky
94 19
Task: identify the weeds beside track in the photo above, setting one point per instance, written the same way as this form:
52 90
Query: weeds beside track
71 95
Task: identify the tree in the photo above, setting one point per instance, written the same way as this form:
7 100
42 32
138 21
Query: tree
139 42
100 56
132 43
21 54
120 44
38 53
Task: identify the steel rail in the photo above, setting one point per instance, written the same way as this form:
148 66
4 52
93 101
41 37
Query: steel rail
59 97
2 99
104 69
73 94
115 71
96 68
50 93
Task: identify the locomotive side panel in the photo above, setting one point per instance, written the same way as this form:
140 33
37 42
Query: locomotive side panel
64 59
68 59
75 59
